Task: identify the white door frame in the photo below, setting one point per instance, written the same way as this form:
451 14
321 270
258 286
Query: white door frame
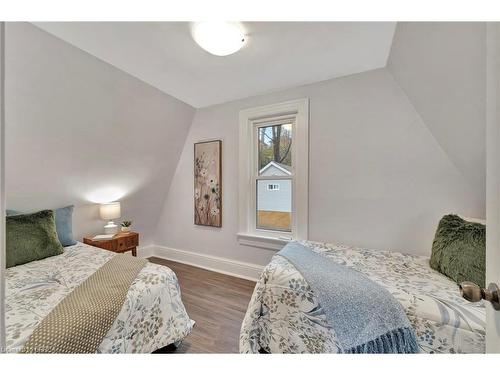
492 181
2 187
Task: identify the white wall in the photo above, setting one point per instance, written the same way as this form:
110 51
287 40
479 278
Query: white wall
378 178
79 130
441 66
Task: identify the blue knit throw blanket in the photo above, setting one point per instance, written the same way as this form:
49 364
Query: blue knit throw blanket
366 318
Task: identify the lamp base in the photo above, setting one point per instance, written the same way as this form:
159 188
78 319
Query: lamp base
110 228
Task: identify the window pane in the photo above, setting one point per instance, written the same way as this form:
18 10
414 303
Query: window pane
274 205
275 150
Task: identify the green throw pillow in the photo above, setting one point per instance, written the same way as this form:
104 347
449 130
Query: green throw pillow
459 250
31 237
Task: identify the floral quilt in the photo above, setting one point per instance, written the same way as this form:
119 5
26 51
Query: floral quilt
285 316
152 316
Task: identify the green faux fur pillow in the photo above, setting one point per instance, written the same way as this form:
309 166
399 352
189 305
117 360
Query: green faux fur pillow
459 250
31 237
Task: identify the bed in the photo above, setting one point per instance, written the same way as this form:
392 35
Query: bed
151 318
284 315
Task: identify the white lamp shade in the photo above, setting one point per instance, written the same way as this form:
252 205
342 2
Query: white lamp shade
110 211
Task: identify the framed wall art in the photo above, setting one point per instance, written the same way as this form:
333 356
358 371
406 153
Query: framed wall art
208 183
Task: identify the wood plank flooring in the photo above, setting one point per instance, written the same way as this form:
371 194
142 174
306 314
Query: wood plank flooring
216 302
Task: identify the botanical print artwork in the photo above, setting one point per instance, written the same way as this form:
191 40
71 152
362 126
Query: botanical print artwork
208 183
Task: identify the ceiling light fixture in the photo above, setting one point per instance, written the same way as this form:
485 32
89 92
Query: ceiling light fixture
219 38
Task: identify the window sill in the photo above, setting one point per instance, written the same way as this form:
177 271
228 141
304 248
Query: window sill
262 242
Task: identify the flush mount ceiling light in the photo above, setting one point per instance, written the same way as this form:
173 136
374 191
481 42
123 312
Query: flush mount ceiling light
219 38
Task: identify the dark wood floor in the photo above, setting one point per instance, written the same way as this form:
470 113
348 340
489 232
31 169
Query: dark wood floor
216 302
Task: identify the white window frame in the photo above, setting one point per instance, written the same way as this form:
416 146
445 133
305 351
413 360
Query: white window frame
295 112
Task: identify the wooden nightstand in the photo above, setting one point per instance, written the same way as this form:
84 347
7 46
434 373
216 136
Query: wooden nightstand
120 243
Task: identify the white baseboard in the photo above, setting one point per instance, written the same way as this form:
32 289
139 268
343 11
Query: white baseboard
243 270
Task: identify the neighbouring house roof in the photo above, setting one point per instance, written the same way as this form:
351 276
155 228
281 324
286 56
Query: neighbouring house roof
282 167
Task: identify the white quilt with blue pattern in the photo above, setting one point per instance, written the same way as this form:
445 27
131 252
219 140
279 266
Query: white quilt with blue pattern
152 316
285 316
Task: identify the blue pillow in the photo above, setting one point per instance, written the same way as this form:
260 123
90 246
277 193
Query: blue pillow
64 225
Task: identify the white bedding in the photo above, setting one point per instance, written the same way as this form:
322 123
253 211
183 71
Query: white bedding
284 315
152 316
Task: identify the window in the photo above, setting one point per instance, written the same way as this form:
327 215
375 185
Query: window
274 174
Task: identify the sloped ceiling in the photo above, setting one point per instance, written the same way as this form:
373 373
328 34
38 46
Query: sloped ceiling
442 69
278 55
81 132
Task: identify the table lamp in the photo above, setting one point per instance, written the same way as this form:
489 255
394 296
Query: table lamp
110 211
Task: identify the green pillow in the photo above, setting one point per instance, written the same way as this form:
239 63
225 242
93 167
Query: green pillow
459 250
31 237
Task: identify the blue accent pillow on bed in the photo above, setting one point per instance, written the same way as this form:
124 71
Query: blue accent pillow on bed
64 224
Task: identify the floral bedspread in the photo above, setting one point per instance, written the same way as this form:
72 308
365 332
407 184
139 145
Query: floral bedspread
152 316
285 316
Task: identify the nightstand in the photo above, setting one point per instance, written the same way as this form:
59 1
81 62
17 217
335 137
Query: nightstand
120 243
